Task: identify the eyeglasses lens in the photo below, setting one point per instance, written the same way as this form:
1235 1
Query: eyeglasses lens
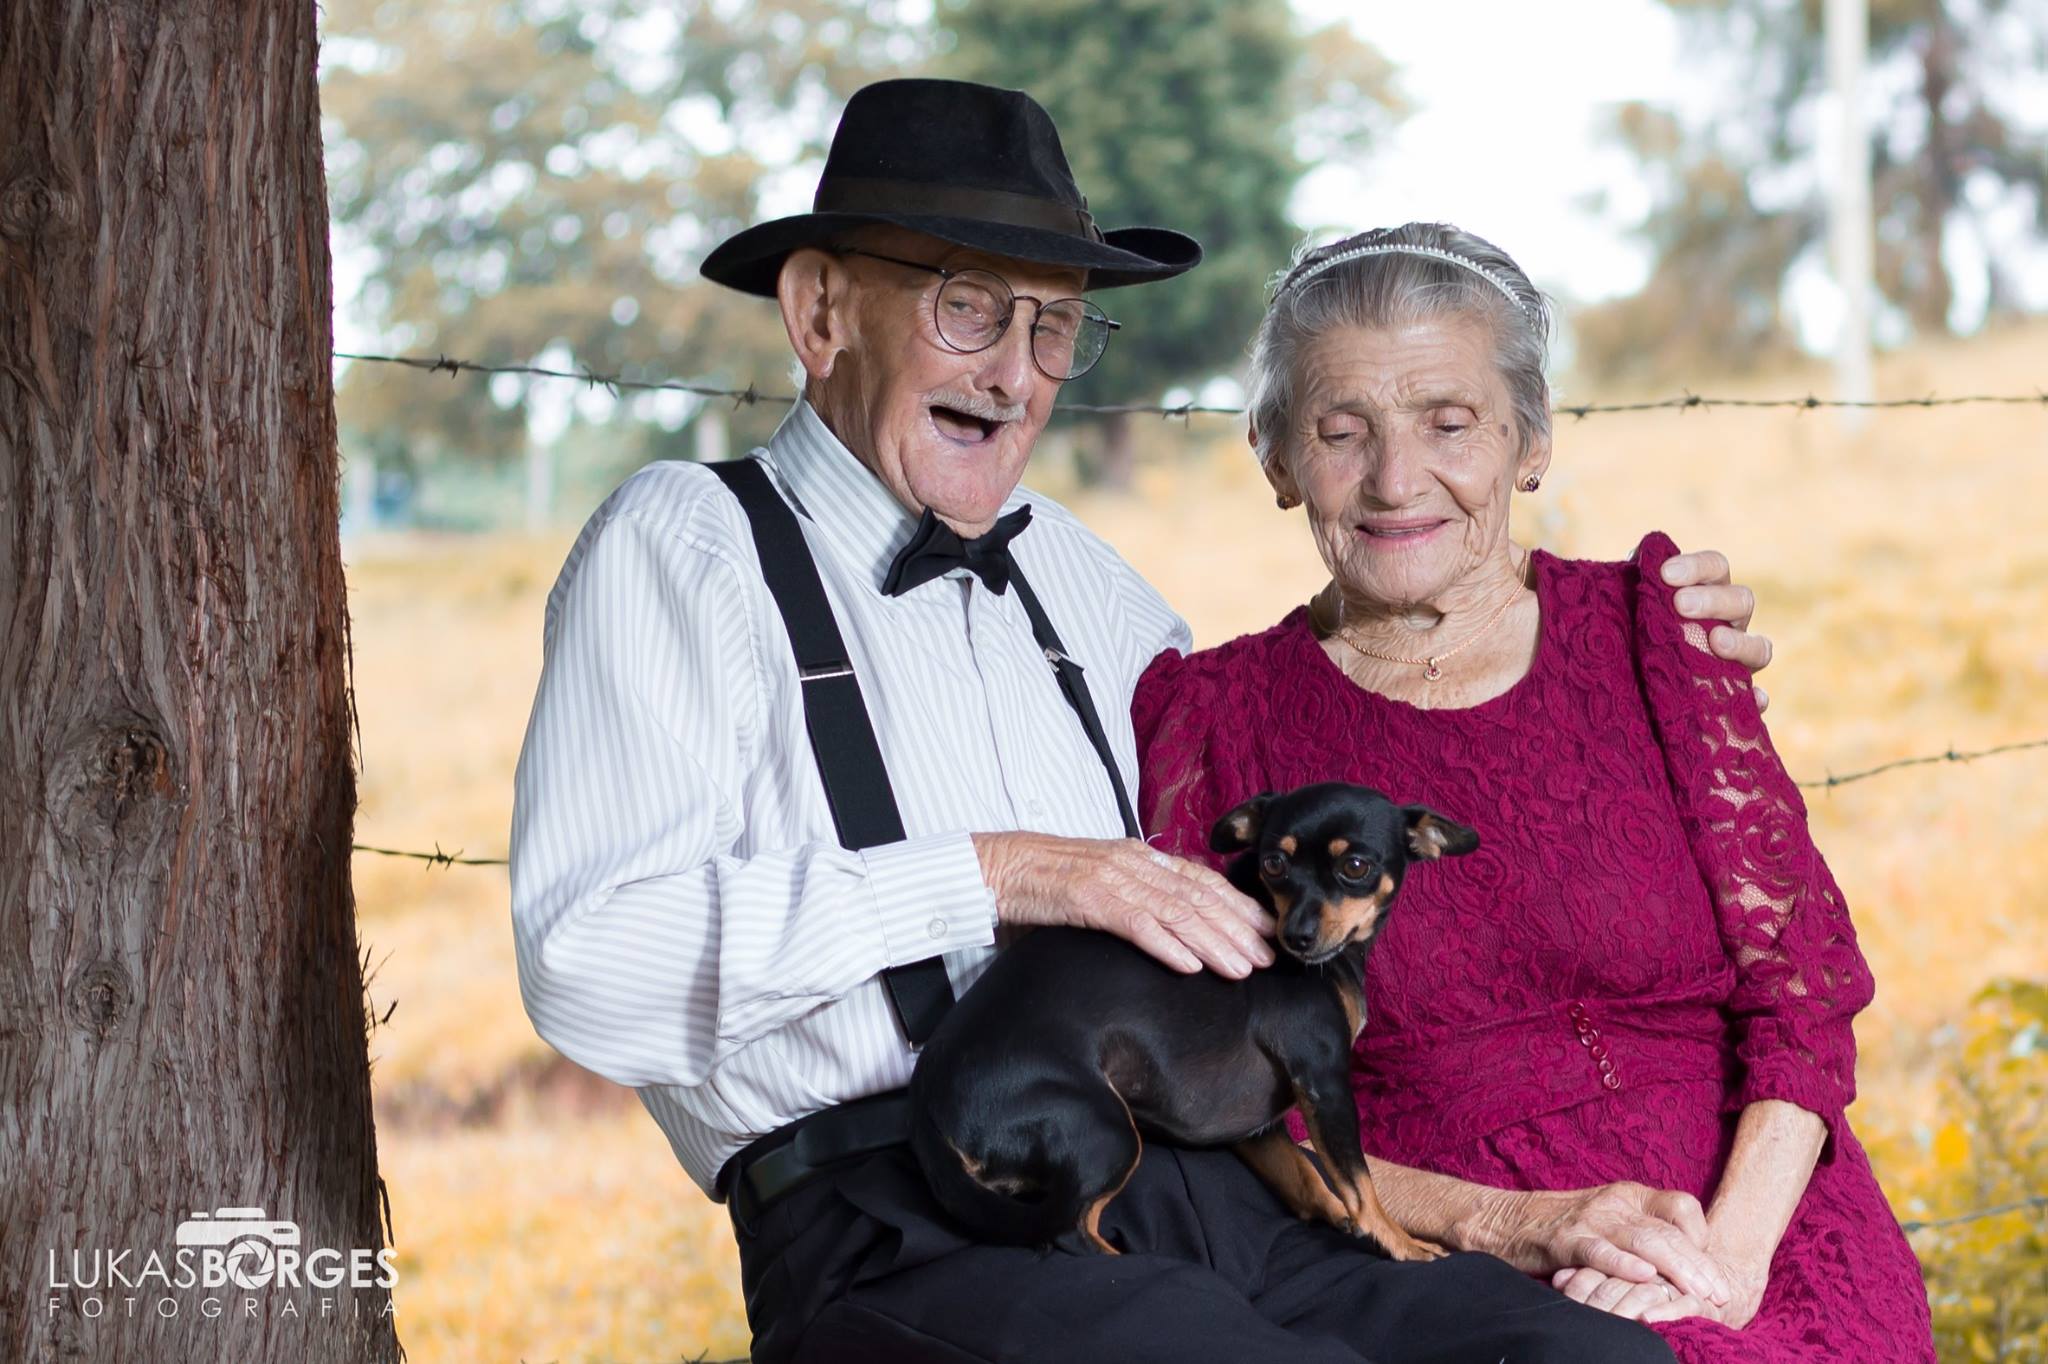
974 308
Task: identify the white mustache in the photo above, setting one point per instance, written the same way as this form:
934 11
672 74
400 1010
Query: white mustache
974 405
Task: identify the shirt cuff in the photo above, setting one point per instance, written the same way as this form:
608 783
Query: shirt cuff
929 897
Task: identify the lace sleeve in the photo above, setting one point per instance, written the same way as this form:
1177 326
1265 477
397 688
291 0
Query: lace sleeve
1187 774
1799 977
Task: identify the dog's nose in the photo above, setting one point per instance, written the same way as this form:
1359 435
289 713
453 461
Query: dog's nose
1300 939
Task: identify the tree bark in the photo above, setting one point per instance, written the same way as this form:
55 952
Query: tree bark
182 1025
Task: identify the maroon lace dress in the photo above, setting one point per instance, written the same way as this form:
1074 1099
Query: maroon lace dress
1645 941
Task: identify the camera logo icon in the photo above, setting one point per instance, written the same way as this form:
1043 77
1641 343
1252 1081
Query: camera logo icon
251 1240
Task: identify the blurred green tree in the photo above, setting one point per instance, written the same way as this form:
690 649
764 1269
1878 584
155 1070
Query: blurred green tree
1193 114
523 174
1739 202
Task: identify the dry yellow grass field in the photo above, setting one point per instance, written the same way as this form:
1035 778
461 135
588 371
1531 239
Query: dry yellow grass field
1903 572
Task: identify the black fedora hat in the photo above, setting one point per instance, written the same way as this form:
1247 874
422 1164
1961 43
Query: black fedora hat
969 164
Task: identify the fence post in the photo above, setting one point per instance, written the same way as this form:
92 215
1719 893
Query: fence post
540 482
359 507
1849 227
711 434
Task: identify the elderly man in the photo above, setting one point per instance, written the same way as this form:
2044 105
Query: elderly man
813 724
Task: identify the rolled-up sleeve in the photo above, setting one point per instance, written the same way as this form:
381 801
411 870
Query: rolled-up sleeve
655 933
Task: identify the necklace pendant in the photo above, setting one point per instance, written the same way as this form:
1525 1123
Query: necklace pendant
1432 672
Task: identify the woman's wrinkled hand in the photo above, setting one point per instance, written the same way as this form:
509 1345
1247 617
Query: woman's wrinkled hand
1625 1231
1179 911
1661 1300
1707 592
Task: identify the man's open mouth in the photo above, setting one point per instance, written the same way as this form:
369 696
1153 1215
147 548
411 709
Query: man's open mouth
963 428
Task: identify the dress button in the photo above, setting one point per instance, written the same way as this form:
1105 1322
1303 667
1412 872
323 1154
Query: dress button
1600 1052
1611 1080
937 928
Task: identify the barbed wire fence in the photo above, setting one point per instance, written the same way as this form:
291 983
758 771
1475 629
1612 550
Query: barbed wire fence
752 394
456 859
1682 402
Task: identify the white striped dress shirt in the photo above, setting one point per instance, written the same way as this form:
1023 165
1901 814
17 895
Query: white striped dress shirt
685 918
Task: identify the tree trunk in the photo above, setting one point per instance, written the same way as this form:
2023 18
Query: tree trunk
1941 183
1119 460
182 1026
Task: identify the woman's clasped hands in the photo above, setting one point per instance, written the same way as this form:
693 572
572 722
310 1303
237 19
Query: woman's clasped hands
1639 1252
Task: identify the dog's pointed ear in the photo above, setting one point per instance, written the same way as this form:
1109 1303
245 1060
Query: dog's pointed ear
1431 835
1239 829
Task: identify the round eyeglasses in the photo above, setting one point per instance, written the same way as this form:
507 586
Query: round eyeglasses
973 308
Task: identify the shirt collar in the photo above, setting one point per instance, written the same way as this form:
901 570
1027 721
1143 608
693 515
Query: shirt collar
859 517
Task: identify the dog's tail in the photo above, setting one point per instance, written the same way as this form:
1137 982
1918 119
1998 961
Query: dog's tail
1008 1202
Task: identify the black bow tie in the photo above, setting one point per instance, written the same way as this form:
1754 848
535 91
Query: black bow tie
936 549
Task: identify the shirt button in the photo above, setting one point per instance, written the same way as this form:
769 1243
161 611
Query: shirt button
937 928
1611 1080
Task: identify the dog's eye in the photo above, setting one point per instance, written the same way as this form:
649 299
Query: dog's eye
1273 864
1354 868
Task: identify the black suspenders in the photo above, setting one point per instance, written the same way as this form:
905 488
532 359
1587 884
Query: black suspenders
843 738
1074 687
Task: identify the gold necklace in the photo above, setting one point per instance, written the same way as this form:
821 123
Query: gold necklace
1429 664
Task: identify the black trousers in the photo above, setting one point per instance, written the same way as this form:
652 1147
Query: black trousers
861 1267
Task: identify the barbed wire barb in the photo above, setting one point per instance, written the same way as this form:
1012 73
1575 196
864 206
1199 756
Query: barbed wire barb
1951 755
436 858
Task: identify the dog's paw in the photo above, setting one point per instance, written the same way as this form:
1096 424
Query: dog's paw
1402 1246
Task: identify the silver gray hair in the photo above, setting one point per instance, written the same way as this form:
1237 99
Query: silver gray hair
1388 277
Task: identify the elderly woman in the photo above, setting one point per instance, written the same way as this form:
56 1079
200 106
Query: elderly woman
1613 1045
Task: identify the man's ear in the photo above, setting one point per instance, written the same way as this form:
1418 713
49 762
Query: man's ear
1431 835
1239 829
814 292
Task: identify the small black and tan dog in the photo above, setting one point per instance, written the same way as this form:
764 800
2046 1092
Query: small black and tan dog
1030 1099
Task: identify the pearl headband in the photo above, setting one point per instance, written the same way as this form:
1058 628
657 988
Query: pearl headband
1403 248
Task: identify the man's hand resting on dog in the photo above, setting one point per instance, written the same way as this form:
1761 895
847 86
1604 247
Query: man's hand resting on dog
1179 911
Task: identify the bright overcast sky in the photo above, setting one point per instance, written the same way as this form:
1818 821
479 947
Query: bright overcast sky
1505 140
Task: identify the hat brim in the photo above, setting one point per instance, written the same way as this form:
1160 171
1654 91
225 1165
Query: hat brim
750 260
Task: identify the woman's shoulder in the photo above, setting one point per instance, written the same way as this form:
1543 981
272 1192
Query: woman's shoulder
1231 676
1254 653
1674 663
1612 586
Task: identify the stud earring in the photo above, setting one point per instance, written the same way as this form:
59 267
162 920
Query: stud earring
1532 483
1286 503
